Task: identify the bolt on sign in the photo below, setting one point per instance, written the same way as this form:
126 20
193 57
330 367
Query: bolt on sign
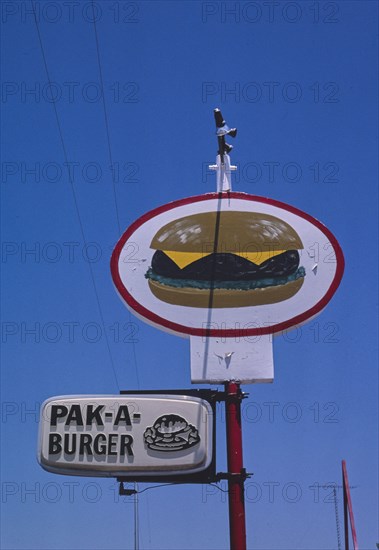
227 270
136 435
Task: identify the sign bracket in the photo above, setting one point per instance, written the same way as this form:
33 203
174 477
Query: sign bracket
242 476
126 492
223 396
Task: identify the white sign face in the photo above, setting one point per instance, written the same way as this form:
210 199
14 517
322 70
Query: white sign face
125 436
216 360
226 265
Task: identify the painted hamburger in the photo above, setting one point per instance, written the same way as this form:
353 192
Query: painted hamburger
171 432
226 259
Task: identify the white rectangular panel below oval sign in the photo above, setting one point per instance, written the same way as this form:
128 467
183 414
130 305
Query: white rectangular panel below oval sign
121 436
218 360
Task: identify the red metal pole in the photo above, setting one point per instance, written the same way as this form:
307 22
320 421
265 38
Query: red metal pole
347 498
345 517
235 467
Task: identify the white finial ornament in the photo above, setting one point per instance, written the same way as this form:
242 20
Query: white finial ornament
223 173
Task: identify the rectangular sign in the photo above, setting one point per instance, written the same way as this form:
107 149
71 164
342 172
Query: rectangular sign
126 436
246 360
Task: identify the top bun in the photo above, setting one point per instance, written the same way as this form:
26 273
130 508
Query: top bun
171 423
236 230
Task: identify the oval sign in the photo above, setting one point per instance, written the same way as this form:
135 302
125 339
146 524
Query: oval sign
225 265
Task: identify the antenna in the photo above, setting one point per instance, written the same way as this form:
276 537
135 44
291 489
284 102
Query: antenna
223 167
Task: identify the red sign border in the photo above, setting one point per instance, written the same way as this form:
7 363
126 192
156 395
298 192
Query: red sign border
227 333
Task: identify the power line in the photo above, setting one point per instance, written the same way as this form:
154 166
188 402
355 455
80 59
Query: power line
111 164
136 519
65 154
337 518
106 119
136 511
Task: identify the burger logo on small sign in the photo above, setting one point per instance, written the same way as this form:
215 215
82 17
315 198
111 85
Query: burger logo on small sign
171 432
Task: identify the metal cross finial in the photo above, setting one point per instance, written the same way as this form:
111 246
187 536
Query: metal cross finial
223 167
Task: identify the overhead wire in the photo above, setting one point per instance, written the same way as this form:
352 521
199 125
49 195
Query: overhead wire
177 484
106 120
337 518
73 192
75 200
155 487
111 166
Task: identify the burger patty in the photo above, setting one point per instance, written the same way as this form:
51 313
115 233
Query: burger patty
227 267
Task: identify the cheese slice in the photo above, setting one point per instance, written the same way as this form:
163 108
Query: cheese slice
182 259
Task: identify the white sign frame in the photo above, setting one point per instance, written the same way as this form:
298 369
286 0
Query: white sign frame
134 447
322 256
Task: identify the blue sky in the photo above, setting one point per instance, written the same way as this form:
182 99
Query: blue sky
299 80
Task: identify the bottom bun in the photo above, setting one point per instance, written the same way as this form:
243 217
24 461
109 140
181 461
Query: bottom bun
223 298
